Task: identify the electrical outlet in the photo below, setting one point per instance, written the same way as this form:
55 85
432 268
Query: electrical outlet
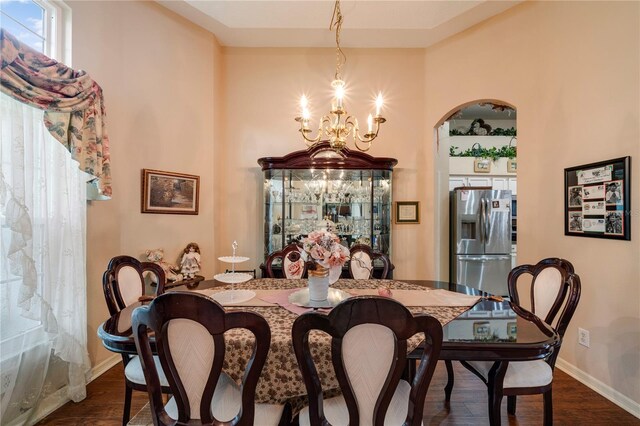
583 337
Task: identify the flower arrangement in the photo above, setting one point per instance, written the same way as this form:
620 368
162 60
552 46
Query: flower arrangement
323 248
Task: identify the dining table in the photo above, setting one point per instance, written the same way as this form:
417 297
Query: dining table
474 327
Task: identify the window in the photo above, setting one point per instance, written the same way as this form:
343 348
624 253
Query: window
41 24
38 24
43 355
26 21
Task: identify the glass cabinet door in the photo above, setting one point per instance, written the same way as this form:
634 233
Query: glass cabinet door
273 210
381 206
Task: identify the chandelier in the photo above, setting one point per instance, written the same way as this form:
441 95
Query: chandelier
337 126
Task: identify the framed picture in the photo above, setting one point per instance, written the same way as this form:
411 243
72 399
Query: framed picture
512 165
482 165
481 330
168 192
597 200
407 212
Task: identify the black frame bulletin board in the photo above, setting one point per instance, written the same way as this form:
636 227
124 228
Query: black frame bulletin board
597 200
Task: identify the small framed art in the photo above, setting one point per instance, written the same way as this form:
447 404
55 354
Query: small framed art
482 165
407 212
597 200
512 165
169 192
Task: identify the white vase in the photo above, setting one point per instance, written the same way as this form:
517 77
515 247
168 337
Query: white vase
318 284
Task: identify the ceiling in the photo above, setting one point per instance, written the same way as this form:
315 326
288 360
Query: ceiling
305 23
486 112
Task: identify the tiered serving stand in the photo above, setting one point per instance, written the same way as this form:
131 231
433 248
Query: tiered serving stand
234 295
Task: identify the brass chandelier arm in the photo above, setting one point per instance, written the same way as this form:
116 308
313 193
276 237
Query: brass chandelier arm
362 148
366 140
305 131
351 123
310 142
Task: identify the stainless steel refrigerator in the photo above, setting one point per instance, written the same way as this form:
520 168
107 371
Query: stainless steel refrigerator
481 238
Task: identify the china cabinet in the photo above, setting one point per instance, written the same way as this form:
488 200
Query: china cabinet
305 189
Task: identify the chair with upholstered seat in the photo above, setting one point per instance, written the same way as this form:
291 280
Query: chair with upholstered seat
123 284
189 334
369 347
553 286
361 263
293 266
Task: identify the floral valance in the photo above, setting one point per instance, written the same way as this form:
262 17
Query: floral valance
73 104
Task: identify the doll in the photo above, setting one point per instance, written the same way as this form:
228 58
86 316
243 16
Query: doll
190 263
171 272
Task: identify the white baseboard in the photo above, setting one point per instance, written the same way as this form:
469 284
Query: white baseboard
607 391
104 366
53 402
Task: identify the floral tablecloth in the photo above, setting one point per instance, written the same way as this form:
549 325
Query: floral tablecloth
281 380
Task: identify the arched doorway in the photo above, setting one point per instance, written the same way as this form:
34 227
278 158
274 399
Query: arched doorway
476 147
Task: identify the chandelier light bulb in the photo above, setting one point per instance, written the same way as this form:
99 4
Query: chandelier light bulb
339 92
306 115
378 104
370 123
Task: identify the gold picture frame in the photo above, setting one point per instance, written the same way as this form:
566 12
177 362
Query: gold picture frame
169 192
512 165
482 165
407 212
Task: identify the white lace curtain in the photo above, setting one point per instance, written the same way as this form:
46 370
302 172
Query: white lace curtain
43 335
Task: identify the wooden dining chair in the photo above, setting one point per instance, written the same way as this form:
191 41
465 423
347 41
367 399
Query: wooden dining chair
293 266
368 349
361 263
189 336
123 284
554 286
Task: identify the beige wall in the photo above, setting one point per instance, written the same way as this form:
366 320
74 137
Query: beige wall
572 69
158 72
263 87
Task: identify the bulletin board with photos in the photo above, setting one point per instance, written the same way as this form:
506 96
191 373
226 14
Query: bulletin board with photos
598 199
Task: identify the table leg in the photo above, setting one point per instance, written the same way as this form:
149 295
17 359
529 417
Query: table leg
449 387
494 387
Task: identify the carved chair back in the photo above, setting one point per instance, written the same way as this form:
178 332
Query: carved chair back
548 289
554 285
189 331
293 266
369 350
361 262
123 281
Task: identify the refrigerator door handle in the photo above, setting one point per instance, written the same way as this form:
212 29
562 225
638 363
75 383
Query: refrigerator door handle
482 219
484 258
485 218
487 221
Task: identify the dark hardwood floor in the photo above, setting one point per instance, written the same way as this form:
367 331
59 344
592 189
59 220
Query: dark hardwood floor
573 403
